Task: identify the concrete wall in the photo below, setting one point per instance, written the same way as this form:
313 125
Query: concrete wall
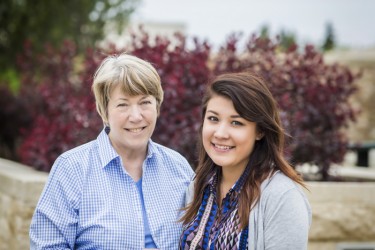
342 212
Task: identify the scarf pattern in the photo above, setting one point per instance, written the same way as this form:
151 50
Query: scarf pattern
217 227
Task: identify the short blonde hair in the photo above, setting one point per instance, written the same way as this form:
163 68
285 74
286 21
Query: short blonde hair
136 77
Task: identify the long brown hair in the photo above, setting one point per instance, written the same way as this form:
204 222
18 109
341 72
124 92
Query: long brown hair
254 102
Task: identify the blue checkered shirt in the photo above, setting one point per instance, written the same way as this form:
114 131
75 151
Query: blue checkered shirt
90 202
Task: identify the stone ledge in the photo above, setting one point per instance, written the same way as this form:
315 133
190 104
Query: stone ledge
21 182
342 192
356 173
342 211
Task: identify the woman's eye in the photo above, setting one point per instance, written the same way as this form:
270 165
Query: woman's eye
146 102
212 118
122 105
237 123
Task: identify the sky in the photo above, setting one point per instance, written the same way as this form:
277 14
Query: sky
353 20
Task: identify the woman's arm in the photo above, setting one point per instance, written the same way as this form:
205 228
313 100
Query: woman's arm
54 223
287 218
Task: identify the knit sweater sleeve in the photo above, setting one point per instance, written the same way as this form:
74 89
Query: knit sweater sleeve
286 215
282 217
189 195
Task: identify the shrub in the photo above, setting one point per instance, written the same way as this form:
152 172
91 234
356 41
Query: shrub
14 115
313 96
67 116
64 115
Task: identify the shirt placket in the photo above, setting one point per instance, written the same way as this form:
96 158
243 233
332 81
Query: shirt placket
222 214
137 207
146 194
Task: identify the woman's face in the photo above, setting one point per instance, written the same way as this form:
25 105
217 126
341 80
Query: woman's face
227 137
132 120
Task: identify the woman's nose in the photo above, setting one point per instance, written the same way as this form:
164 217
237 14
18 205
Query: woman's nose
221 131
135 113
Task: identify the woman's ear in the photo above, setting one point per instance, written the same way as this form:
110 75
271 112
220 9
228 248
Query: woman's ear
259 136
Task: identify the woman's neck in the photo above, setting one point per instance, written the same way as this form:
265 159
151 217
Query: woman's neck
229 176
132 162
226 181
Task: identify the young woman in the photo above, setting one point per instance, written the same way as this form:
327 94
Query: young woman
122 190
245 194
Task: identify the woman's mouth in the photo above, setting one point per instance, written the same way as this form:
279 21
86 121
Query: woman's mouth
135 130
222 147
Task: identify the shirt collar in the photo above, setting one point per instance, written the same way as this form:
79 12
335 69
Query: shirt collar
107 153
212 182
240 182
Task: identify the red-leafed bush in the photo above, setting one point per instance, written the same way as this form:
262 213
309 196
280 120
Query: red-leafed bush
63 107
312 95
66 116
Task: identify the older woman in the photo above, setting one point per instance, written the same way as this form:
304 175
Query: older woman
122 190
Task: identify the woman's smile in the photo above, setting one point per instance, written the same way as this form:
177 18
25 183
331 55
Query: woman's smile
135 130
221 148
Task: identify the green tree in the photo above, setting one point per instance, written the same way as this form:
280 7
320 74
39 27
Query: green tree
54 21
287 40
329 41
264 31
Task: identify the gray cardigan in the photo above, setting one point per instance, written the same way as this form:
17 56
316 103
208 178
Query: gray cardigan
282 217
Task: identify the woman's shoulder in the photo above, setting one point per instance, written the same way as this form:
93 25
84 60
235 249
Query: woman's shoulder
279 192
279 184
79 150
167 153
77 158
170 159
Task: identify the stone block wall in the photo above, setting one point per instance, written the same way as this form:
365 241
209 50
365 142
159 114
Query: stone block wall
343 212
20 188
